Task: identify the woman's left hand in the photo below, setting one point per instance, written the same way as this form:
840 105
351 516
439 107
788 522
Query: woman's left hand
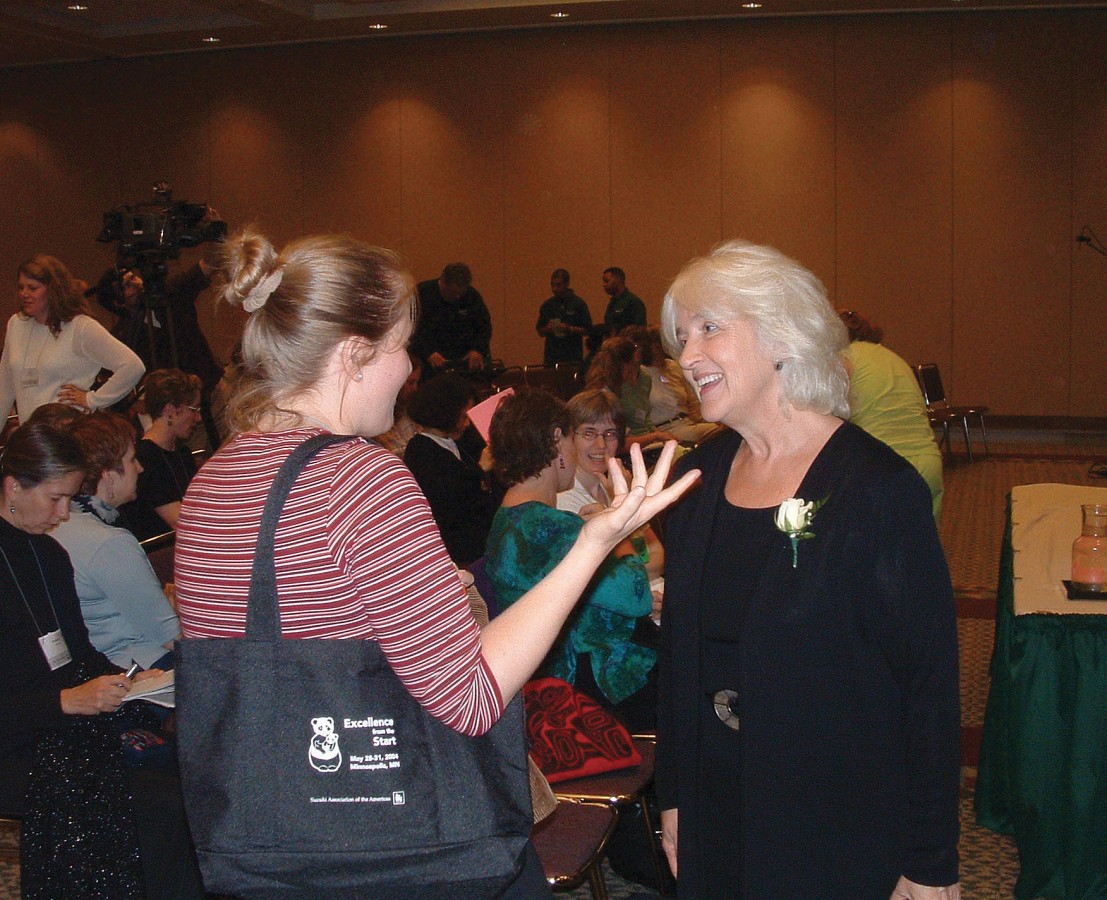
908 890
636 504
147 673
74 396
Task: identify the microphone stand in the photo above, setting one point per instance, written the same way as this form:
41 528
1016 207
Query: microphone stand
1098 469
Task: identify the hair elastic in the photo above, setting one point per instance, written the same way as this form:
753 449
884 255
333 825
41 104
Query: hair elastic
263 290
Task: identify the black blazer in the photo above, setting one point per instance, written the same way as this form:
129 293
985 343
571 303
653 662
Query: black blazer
850 755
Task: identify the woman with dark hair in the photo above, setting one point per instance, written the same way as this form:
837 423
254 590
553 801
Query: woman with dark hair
808 740
172 399
324 352
91 826
128 615
535 455
54 349
445 458
885 400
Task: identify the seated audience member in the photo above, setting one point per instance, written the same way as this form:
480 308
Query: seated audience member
173 404
674 406
598 428
92 827
597 334
445 458
403 428
885 400
618 369
59 415
535 455
128 615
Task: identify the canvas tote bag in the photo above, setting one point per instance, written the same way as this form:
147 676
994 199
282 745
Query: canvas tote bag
309 771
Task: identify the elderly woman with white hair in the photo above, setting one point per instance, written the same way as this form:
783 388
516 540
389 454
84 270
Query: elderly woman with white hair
808 728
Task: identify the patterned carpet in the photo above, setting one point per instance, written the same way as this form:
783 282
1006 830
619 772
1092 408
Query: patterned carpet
972 531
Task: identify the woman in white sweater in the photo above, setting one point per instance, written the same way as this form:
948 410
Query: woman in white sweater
53 349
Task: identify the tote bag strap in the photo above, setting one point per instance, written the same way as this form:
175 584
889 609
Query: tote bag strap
263 619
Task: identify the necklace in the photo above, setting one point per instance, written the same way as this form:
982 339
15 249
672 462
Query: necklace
316 421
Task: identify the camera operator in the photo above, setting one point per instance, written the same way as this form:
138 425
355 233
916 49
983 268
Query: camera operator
454 330
141 324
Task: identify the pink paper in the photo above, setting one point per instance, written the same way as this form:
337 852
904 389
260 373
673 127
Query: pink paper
481 414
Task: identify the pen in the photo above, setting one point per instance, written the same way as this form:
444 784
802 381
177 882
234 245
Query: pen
132 671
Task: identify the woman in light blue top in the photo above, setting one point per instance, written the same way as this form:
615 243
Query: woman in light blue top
129 616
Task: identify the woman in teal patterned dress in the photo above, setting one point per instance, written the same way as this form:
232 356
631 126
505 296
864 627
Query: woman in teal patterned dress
532 445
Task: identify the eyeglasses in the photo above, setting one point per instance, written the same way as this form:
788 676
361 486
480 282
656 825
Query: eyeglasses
590 434
193 408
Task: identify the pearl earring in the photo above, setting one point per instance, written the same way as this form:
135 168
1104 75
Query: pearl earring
359 376
11 509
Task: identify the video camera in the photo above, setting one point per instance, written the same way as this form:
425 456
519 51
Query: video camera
159 228
148 236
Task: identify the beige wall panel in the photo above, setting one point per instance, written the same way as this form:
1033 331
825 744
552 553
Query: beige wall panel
351 141
258 118
557 210
1011 213
162 130
1089 309
453 172
778 138
76 160
26 126
894 176
665 144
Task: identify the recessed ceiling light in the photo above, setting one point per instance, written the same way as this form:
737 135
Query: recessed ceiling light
559 15
378 27
77 7
751 6
211 40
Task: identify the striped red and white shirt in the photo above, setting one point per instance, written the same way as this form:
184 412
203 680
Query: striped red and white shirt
358 556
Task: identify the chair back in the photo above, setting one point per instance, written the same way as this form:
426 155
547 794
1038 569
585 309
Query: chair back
930 381
160 551
568 379
541 377
511 377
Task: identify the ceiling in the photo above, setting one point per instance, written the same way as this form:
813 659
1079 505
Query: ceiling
36 32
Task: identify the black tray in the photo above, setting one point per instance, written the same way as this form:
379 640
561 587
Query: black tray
1075 594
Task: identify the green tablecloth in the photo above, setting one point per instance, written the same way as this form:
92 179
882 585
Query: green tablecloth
1043 761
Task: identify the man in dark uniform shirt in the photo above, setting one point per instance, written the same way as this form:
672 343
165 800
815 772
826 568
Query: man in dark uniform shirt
454 324
563 320
624 308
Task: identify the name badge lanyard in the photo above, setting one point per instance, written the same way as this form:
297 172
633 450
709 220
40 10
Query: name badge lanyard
52 644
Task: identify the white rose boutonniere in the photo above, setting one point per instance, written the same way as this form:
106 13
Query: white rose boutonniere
793 517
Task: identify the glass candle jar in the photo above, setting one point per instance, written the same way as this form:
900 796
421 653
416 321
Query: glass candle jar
1089 551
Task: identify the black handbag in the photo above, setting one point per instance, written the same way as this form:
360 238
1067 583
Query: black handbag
309 770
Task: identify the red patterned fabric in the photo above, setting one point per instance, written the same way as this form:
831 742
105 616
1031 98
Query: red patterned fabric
571 735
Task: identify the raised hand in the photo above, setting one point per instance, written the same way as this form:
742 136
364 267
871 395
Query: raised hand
635 504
